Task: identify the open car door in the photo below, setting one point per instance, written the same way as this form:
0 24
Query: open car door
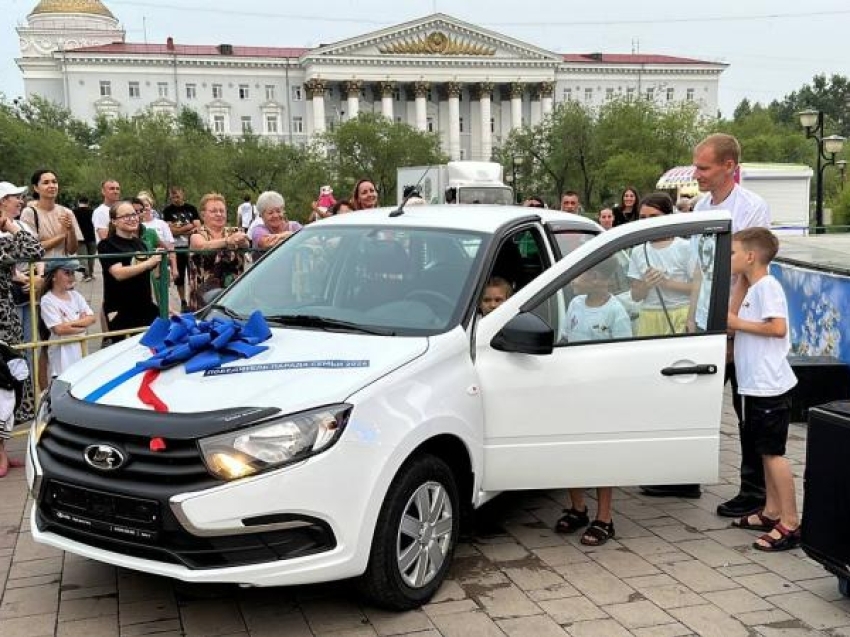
575 395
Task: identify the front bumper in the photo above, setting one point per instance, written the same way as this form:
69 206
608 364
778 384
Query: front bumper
292 526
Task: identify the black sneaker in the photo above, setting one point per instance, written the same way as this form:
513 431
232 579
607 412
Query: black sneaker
672 490
740 505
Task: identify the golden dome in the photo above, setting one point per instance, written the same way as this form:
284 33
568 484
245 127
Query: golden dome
89 7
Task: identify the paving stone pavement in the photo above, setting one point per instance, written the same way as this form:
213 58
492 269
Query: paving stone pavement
674 569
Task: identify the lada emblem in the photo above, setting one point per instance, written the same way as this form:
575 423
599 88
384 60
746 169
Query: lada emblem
103 457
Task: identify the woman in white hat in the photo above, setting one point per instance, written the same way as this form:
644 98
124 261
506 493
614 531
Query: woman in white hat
15 244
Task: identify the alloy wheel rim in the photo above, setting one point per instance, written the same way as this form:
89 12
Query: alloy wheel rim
424 535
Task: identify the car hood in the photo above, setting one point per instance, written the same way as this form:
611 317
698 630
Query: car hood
300 370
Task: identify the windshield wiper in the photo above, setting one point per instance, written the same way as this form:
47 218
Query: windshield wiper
226 311
313 320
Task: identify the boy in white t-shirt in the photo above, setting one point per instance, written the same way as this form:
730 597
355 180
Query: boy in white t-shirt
594 315
765 380
65 313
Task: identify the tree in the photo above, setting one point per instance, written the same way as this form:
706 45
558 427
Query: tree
830 95
32 137
155 151
600 151
253 165
559 154
372 146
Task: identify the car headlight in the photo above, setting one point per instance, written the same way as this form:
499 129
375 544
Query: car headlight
274 443
42 417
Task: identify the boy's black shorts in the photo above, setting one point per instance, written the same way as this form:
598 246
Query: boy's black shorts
767 419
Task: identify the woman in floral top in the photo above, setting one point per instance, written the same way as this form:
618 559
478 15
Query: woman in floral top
15 244
215 259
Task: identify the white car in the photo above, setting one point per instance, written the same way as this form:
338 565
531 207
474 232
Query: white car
383 405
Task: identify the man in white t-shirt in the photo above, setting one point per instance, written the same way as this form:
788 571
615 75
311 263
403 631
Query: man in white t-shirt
716 161
246 213
111 192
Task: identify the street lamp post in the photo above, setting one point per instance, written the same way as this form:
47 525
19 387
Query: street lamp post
516 163
827 149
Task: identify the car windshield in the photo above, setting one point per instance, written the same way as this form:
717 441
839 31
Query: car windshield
403 281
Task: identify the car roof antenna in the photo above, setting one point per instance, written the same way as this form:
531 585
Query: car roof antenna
413 192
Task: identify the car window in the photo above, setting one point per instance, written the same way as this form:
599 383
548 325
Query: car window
656 289
493 196
569 240
407 281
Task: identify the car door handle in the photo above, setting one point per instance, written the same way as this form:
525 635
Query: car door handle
693 369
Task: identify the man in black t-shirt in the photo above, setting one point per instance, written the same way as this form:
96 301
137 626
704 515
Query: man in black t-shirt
182 219
83 213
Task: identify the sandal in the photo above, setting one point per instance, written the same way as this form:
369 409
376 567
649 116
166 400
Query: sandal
764 524
598 533
572 521
787 539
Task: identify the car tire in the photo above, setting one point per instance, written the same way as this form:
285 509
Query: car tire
412 548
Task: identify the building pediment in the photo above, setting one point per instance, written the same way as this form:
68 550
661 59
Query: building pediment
437 36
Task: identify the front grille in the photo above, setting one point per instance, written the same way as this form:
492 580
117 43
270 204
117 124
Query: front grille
179 464
142 528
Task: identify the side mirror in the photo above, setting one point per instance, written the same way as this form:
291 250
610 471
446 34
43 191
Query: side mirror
526 333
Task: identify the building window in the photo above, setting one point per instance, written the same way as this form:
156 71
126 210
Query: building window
191 91
430 124
671 93
297 124
217 91
105 88
218 124
492 124
162 89
650 94
272 124
689 95
461 124
134 90
297 93
568 94
588 95
397 94
247 128
609 93
269 92
462 153
630 94
398 119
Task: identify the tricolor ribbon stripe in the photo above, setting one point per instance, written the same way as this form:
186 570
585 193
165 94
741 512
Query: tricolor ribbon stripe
200 345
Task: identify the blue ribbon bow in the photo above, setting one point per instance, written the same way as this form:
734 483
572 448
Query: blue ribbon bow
201 345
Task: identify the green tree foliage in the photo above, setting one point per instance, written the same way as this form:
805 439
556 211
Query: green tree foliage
252 165
599 152
828 94
372 146
37 134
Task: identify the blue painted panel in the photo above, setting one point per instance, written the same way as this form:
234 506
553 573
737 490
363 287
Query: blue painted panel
818 310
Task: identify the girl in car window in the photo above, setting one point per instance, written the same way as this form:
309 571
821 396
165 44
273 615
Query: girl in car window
662 276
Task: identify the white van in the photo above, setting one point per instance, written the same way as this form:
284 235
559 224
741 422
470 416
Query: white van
381 405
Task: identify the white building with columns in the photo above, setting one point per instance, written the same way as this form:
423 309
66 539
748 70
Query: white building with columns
470 85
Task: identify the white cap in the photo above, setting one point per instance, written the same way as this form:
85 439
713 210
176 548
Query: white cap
7 189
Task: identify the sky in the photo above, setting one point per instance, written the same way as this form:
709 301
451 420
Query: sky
772 48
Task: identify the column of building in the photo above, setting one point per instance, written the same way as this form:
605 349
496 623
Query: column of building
541 95
316 91
387 93
485 92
